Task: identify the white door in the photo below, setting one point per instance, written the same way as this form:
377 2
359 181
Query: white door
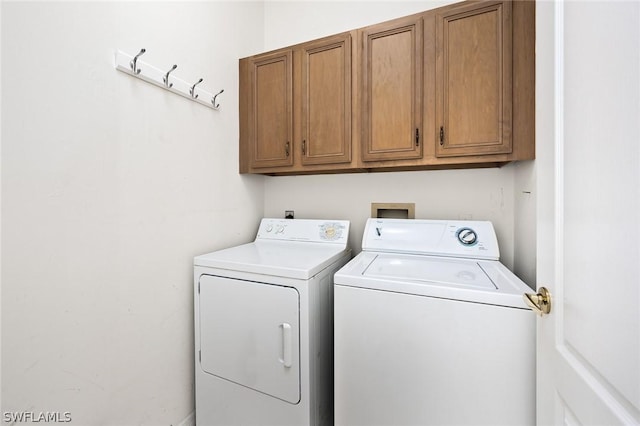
249 335
589 212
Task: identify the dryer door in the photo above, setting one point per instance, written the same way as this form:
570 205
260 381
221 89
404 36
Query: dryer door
249 335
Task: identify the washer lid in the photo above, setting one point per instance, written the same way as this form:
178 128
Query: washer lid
451 272
290 259
468 280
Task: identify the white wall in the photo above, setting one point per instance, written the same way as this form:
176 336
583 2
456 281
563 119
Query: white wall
110 186
525 219
290 22
449 194
484 194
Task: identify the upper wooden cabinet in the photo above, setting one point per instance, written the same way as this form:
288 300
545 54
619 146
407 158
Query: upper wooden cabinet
474 79
391 89
270 120
449 87
295 108
326 101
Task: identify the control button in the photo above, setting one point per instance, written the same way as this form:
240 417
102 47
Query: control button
467 236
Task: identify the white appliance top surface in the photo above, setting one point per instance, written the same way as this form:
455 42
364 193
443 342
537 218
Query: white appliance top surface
455 260
471 280
446 271
291 248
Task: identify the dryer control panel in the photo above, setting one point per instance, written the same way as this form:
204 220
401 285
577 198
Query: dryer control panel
310 230
457 238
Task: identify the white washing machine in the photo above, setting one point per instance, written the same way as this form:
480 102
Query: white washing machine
264 328
431 329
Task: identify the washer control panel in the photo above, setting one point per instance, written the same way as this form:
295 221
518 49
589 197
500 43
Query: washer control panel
322 231
457 238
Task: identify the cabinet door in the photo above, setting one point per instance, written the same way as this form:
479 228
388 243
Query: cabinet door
326 101
473 80
392 90
271 110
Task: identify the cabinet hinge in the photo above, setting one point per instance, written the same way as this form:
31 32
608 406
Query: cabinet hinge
441 135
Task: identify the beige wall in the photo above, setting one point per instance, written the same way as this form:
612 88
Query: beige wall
110 186
485 194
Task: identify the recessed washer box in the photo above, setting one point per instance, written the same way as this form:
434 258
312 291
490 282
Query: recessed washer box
393 210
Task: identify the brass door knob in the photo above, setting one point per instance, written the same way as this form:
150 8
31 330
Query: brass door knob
539 303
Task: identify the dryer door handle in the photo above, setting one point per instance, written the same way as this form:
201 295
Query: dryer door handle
287 347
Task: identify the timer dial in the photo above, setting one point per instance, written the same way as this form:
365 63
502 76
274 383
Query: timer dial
467 236
331 231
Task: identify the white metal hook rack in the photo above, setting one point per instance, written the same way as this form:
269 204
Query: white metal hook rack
136 68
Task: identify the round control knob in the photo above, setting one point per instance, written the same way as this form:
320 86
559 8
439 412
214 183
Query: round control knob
269 228
467 236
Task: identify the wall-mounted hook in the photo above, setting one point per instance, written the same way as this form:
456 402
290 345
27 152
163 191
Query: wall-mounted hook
213 101
192 91
165 79
133 64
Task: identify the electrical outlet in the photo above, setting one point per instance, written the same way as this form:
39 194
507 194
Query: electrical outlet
288 214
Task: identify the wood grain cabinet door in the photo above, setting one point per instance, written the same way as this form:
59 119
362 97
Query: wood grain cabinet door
391 90
326 101
271 110
474 80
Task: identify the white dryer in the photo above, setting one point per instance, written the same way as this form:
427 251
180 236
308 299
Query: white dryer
263 325
431 329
